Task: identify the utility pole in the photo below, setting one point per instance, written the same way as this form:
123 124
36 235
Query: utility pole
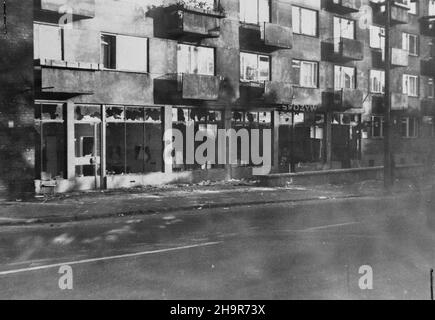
388 136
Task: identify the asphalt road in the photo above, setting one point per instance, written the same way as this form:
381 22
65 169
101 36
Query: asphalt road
310 250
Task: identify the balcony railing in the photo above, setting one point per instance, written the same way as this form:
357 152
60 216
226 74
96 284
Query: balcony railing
307 96
427 26
342 49
342 6
275 35
57 80
277 92
399 102
343 99
266 37
63 80
192 23
399 57
428 67
80 9
399 13
428 107
198 86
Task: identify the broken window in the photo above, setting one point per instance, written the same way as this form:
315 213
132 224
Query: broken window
133 140
51 147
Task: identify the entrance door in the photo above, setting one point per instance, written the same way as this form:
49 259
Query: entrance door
87 151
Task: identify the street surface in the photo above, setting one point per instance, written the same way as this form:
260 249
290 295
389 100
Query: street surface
308 250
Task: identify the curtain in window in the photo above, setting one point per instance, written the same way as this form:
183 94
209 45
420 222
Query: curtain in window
47 42
195 60
131 53
344 78
308 74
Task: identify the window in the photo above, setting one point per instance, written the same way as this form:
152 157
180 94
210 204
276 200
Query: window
377 81
254 67
124 52
410 85
409 127
431 8
428 126
255 11
248 121
377 37
344 78
305 73
50 157
133 140
195 60
201 121
304 21
430 88
410 43
378 126
48 42
412 5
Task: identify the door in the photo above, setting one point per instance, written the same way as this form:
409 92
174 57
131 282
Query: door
87 154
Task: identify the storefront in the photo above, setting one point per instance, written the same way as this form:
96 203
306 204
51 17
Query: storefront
312 140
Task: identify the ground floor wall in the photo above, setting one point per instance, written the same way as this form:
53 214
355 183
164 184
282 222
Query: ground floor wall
91 146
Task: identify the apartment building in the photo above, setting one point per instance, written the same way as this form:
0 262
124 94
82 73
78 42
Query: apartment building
88 87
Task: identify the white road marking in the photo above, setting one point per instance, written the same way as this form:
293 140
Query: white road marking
329 226
128 255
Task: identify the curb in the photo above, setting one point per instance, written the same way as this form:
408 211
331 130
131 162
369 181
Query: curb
65 219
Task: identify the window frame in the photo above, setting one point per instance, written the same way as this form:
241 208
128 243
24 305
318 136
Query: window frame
371 83
116 60
381 129
258 55
406 88
316 35
316 63
258 22
406 43
212 49
416 127
354 82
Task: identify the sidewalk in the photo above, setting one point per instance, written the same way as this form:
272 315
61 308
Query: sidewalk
151 200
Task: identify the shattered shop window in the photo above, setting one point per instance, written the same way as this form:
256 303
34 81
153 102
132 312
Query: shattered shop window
133 140
50 157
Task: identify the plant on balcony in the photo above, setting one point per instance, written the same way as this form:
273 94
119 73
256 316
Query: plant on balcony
205 6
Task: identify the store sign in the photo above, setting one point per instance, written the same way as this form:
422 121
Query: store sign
300 108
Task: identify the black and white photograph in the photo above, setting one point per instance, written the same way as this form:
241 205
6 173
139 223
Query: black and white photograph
217 150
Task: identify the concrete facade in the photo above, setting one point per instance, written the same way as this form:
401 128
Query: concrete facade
78 80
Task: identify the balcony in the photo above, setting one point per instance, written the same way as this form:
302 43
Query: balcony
265 38
341 6
399 57
342 51
199 87
192 24
62 80
53 10
307 96
342 100
399 13
427 26
428 107
266 93
181 89
428 67
89 83
399 102
276 92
